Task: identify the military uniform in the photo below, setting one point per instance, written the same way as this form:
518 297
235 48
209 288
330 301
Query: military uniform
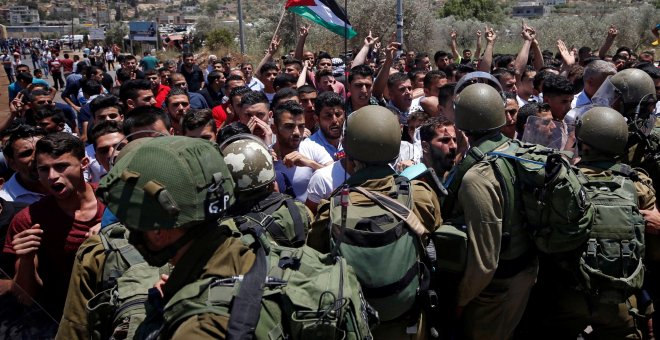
84 284
493 292
426 208
232 258
562 311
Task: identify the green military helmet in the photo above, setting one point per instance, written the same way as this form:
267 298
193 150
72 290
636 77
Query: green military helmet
168 182
373 135
633 85
603 129
479 108
249 162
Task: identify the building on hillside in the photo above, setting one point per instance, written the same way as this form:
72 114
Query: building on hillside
23 16
530 10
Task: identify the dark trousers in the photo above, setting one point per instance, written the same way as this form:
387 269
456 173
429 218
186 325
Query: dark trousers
57 80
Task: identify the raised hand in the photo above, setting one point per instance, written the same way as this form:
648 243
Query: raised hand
370 40
569 58
303 31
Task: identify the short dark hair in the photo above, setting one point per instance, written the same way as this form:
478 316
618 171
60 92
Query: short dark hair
56 114
327 99
151 72
294 62
58 143
283 80
432 76
239 91
103 101
254 97
541 76
306 89
176 91
427 129
290 106
186 55
555 85
503 61
527 110
24 76
143 116
91 87
129 89
361 70
37 93
22 131
123 75
281 95
231 130
396 78
439 54
105 127
213 76
267 67
130 57
324 73
195 119
446 93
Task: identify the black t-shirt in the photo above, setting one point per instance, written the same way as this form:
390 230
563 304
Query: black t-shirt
194 78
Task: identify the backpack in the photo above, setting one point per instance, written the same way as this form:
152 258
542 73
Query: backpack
284 219
611 261
118 309
289 293
645 154
544 197
381 241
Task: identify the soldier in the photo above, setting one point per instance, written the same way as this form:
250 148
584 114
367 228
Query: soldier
251 166
368 129
565 305
499 275
169 214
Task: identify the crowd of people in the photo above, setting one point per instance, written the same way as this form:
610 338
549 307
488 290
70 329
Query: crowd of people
121 158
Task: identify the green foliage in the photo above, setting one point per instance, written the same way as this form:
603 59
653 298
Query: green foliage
115 34
219 38
482 10
211 7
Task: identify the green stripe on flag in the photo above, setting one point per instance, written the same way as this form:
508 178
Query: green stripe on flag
306 12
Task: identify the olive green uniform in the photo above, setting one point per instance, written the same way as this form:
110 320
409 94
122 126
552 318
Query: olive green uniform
562 311
231 258
491 299
84 284
426 208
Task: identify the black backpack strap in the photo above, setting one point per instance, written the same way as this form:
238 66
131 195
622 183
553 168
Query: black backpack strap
247 303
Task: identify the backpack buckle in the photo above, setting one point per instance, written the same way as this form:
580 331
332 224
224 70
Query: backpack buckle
626 255
592 246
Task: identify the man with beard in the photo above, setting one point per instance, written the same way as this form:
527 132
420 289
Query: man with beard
438 136
192 73
329 115
254 113
295 162
23 186
177 104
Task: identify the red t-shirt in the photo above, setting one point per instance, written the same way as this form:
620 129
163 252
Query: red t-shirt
59 243
54 66
67 65
219 115
163 91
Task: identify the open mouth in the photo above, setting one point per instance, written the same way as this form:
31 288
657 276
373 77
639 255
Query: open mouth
57 187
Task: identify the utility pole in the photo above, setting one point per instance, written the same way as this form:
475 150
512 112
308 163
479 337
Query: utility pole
399 22
241 37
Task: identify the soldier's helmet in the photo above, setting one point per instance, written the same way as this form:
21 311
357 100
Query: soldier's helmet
603 129
634 85
479 108
372 135
249 162
168 182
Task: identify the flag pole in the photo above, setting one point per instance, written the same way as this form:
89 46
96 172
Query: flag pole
277 29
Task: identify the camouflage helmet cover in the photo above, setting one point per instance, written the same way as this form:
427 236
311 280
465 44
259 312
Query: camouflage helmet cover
249 162
168 182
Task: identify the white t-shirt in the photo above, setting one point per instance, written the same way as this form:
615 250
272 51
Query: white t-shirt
94 170
325 181
294 180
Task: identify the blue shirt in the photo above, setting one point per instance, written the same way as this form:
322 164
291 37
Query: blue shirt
319 138
14 88
197 101
72 87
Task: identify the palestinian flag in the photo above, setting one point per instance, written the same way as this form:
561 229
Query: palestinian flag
323 12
